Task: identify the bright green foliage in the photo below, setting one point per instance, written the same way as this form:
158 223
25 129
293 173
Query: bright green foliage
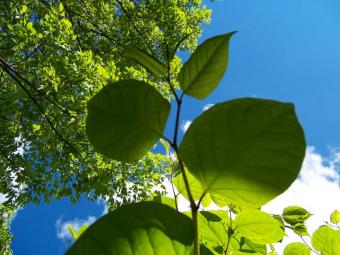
144 228
213 226
296 249
335 217
219 235
69 50
326 240
76 234
6 215
246 150
195 187
206 67
125 119
295 214
258 227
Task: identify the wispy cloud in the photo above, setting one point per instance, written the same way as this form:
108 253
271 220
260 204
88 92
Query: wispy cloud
207 107
185 125
62 230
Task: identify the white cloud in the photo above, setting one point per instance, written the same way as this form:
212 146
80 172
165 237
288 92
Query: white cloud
62 230
207 106
317 189
185 125
3 198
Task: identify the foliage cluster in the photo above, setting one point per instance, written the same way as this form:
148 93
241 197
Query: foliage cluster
54 56
239 154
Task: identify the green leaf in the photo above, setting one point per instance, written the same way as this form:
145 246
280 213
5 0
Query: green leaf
245 150
206 67
82 229
251 247
166 146
125 119
296 249
73 232
36 127
335 217
144 228
326 240
295 214
146 60
259 227
195 188
213 227
31 28
204 250
166 201
23 9
301 229
245 253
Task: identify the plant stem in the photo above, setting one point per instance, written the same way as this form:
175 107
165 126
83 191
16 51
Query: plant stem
193 206
229 234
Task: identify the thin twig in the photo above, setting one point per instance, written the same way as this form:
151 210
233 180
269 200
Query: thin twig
135 27
13 75
9 70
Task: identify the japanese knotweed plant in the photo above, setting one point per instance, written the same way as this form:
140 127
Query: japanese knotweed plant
240 154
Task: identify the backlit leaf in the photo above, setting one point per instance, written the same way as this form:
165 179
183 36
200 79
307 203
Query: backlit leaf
335 217
246 150
259 227
206 67
146 60
125 119
144 228
326 240
213 227
295 214
195 188
296 249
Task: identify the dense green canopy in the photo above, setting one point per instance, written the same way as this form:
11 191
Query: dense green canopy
54 56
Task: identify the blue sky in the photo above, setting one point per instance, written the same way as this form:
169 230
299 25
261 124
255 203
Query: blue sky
284 50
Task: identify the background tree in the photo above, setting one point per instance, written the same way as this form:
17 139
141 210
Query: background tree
54 56
6 214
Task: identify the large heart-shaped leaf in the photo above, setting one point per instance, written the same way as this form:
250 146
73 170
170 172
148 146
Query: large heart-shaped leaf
246 150
125 119
144 228
206 67
259 227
